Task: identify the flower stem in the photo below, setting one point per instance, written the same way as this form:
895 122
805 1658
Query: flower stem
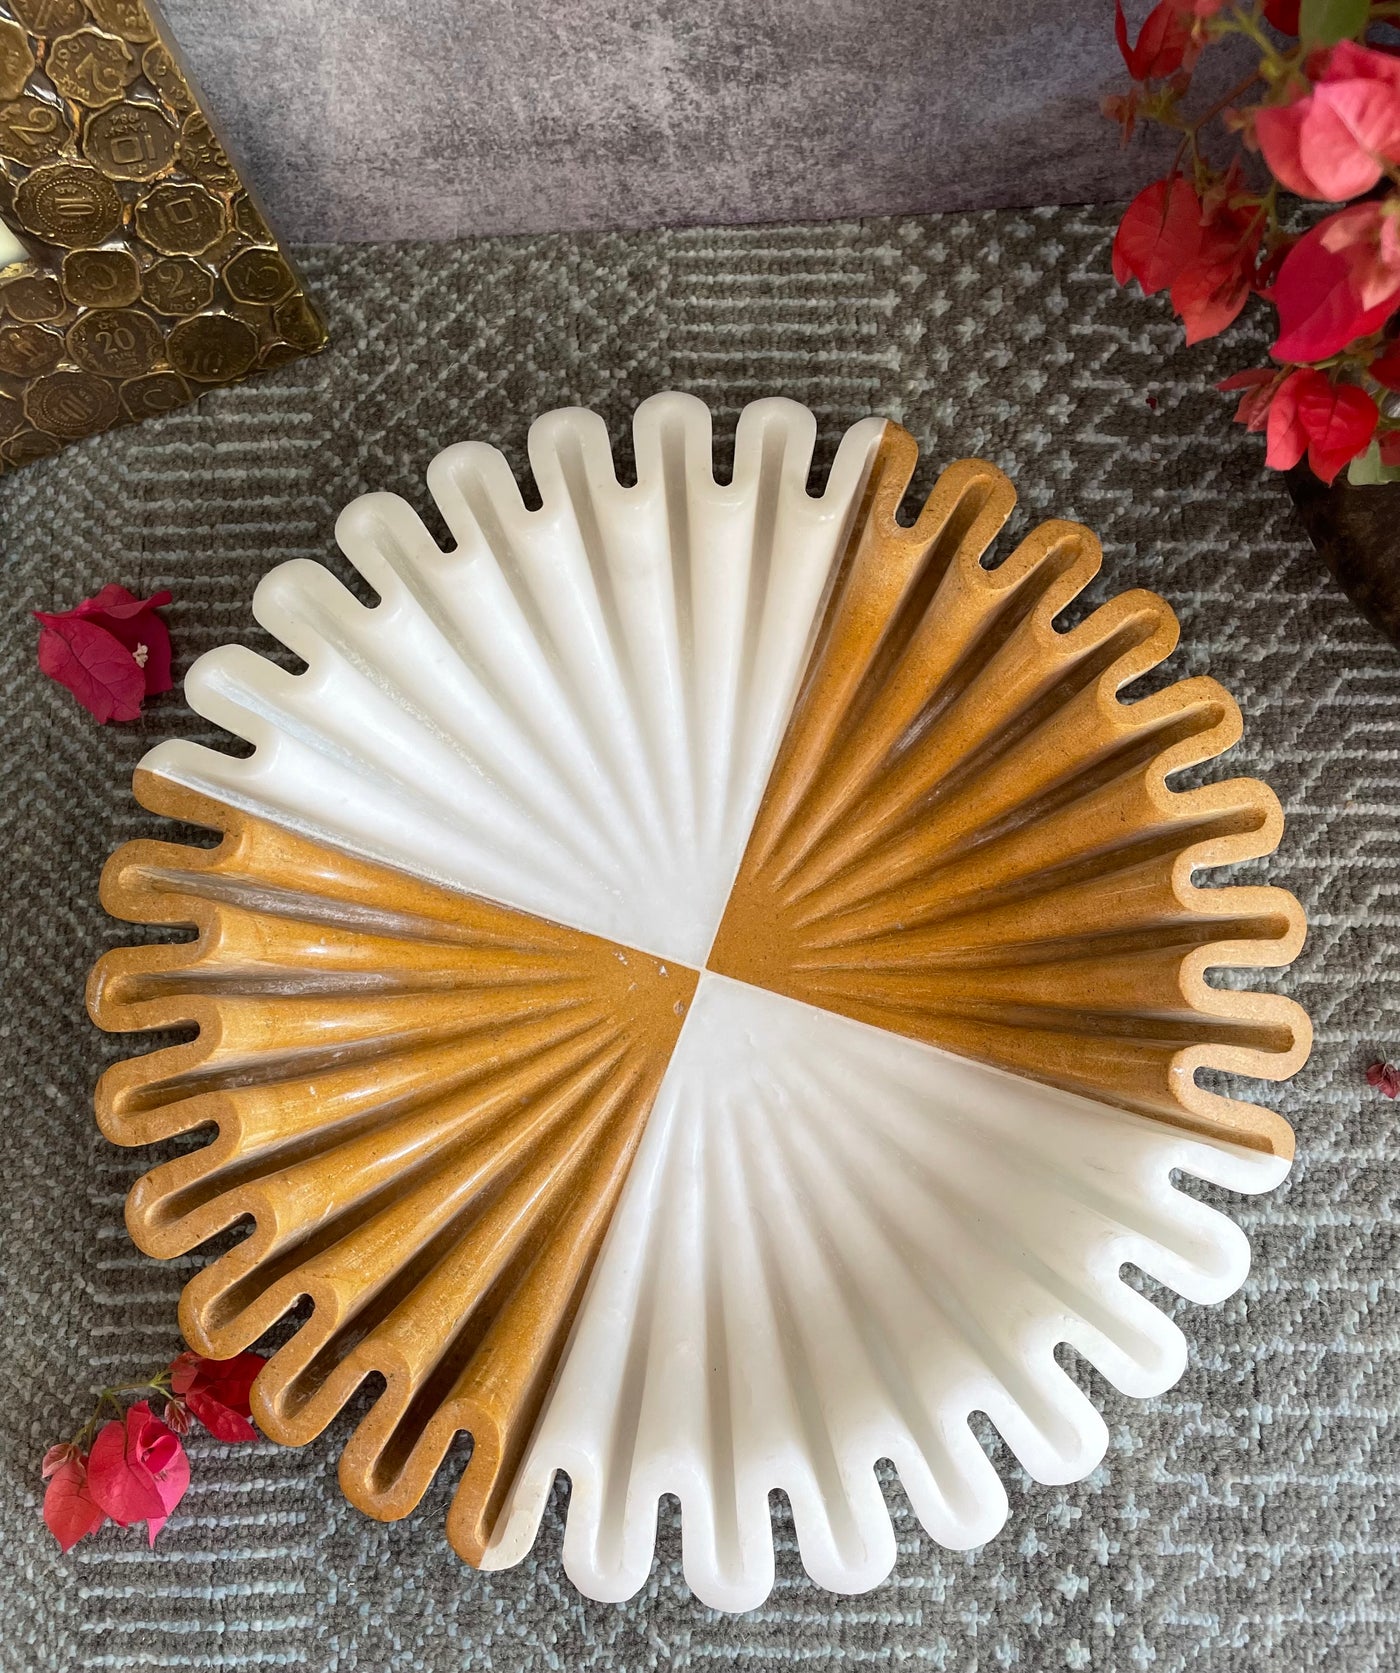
1241 22
1225 100
159 1384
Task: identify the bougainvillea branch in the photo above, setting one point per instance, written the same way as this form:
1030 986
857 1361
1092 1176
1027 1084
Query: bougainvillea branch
133 1467
1323 118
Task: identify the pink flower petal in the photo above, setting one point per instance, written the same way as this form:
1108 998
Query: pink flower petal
88 666
1279 131
95 666
1350 61
217 1391
1385 1077
118 1480
70 1511
1288 440
1340 420
1332 288
138 1470
1160 233
56 1457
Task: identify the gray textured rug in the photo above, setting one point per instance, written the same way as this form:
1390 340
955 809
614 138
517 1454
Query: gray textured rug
1247 1520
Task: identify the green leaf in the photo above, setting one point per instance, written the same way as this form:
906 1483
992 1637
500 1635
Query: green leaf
1366 470
1324 22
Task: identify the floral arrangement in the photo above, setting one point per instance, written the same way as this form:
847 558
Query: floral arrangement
134 1467
1319 109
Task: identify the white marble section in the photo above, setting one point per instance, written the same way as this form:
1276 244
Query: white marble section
834 1245
575 711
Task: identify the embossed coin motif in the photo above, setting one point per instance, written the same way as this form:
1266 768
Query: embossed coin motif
212 348
249 222
33 131
258 276
130 142
69 204
127 18
101 278
71 404
117 341
177 286
163 73
28 446
152 274
91 68
153 394
33 297
179 219
29 350
203 155
256 314
278 354
299 323
16 60
49 17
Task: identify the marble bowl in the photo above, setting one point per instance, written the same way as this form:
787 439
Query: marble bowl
701 987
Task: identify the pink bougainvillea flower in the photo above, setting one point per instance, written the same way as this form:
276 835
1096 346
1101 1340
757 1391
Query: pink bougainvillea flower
1331 422
111 651
138 1470
1166 42
1260 385
217 1392
1209 292
1159 235
1209 299
1351 61
1335 285
1324 108
1385 1077
1335 141
1339 419
57 1456
100 672
1366 236
70 1512
135 623
1288 440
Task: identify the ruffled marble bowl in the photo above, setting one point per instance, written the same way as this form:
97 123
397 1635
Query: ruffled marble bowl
702 988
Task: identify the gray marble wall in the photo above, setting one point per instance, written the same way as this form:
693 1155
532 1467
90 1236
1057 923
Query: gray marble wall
369 119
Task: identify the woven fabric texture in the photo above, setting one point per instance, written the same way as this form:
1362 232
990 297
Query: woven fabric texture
1247 1520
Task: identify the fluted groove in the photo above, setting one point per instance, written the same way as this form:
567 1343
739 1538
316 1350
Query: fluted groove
924 991
422 1105
969 838
834 1246
552 714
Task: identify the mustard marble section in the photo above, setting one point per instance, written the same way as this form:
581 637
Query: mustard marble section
421 1105
969 838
